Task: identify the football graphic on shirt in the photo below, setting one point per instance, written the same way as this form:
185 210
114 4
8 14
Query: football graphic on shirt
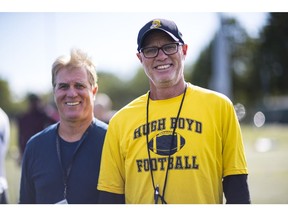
162 143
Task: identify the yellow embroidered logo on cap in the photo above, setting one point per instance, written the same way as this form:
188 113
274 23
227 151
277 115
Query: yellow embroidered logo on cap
155 24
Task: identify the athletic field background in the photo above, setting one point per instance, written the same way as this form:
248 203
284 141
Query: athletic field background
267 157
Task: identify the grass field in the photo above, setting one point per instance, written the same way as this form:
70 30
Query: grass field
267 157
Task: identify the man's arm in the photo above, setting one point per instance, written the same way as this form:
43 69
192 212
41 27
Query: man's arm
236 189
111 198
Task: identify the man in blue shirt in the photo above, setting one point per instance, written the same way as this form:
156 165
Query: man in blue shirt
61 163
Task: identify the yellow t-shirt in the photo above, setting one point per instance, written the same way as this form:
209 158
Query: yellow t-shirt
207 147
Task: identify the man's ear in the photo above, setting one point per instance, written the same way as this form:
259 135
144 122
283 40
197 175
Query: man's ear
94 91
139 57
185 49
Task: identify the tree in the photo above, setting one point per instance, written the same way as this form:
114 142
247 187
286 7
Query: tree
5 99
114 87
121 91
245 84
271 62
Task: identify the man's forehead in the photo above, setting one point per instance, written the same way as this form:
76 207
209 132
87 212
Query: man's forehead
157 35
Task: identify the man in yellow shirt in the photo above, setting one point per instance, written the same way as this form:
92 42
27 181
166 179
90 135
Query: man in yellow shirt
178 143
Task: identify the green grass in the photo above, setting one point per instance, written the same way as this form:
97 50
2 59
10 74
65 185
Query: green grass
268 171
12 167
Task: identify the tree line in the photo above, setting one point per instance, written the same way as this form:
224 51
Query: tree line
258 67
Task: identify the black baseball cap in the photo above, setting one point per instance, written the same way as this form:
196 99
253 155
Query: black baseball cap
165 25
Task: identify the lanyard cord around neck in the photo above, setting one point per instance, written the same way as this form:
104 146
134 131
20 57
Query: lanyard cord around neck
66 173
156 188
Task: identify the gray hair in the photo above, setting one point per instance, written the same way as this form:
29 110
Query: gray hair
77 59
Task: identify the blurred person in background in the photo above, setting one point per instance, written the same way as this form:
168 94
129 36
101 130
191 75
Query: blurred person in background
61 163
176 144
103 107
4 143
32 122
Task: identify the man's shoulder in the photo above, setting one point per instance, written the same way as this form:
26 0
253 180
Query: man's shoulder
134 104
208 94
100 124
45 135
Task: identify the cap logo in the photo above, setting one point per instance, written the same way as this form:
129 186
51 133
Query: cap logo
155 24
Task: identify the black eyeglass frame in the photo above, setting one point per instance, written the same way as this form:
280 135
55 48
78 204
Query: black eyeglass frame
162 48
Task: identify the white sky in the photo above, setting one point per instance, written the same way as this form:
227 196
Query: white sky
31 41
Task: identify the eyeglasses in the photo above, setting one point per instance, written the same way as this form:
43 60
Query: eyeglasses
168 49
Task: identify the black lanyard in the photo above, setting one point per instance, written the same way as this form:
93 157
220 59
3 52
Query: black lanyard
156 187
66 173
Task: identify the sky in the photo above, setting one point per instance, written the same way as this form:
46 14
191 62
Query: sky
31 41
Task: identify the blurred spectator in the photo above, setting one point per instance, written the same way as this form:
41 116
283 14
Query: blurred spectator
4 142
32 122
103 107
